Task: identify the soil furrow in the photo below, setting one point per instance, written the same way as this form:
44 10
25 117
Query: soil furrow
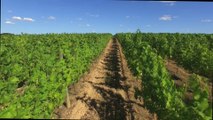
106 91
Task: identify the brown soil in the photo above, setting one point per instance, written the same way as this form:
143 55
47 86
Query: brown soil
178 74
180 77
106 92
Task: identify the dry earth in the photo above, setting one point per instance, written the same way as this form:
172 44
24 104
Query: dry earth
106 92
181 76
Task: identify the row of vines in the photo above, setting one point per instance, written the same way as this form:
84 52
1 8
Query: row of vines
158 90
35 70
192 51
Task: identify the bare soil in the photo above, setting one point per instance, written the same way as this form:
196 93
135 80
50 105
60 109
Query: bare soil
106 92
180 77
178 74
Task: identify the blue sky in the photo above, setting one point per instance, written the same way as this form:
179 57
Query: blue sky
80 16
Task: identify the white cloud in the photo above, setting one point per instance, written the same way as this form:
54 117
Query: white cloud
166 18
16 18
28 19
206 20
51 18
88 25
9 22
169 3
121 25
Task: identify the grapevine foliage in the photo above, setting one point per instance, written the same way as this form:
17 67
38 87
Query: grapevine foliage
158 90
35 70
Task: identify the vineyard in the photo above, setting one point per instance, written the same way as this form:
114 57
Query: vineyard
145 54
124 76
37 69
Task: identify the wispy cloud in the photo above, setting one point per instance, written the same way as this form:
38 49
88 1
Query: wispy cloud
88 25
167 17
121 25
127 17
147 26
9 11
84 25
169 3
16 18
80 19
9 22
94 15
206 20
28 19
51 18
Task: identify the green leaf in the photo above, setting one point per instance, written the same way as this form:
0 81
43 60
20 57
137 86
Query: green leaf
50 106
197 96
14 79
203 105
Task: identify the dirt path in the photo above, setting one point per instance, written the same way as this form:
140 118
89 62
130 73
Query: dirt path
106 92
